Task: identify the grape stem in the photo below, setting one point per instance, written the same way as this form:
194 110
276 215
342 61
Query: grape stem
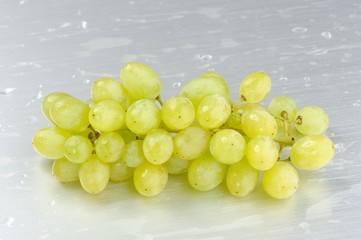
159 99
285 140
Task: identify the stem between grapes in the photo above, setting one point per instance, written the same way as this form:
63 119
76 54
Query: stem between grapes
159 99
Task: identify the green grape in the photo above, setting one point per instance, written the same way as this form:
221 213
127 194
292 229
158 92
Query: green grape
213 111
210 83
205 173
107 88
65 171
77 149
234 121
191 142
70 114
311 120
246 106
109 147
255 87
281 181
94 175
257 122
158 146
49 142
127 135
140 81
261 152
150 179
89 133
176 165
49 100
143 116
107 116
227 146
241 178
177 113
120 171
312 152
133 153
281 105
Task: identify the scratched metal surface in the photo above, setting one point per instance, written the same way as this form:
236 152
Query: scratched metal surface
311 49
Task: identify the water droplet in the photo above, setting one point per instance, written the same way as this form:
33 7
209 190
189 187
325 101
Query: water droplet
203 57
84 24
356 104
307 85
7 91
283 79
87 81
299 29
339 147
176 84
326 35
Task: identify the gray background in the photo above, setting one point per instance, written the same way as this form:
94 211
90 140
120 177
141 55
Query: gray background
311 49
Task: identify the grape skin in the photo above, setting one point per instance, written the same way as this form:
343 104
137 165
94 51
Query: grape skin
256 122
177 113
49 100
311 120
261 152
158 146
77 149
255 87
65 171
109 147
120 171
107 116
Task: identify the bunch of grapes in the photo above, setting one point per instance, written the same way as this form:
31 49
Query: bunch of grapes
125 131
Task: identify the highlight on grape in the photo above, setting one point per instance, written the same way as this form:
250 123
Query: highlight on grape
125 131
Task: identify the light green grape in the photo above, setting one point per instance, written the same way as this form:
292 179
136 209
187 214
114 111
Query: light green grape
205 173
150 179
77 149
107 88
246 106
127 135
176 165
107 116
109 147
70 114
143 116
283 104
158 146
312 152
281 181
191 143
227 146
210 83
94 175
234 121
177 113
89 133
140 81
241 178
49 142
49 100
120 171
133 153
261 152
311 120
255 87
257 122
65 171
213 111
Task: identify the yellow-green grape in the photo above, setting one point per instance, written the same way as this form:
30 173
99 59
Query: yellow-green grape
280 105
262 152
49 100
178 113
133 153
89 133
120 171
241 178
158 146
205 173
107 88
150 179
143 116
109 147
312 152
234 121
311 120
213 111
94 175
227 146
127 135
65 171
281 181
191 143
240 108
70 114
77 149
208 84
49 142
107 116
255 87
257 122
140 81
176 165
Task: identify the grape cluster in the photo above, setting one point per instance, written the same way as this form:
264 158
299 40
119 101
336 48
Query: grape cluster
125 131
